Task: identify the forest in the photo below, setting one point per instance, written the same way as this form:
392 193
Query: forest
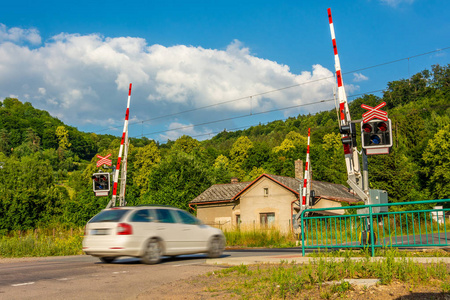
46 166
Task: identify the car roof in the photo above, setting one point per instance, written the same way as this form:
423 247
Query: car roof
142 206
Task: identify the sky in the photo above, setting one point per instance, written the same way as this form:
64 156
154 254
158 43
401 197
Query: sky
200 67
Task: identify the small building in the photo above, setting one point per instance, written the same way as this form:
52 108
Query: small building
266 202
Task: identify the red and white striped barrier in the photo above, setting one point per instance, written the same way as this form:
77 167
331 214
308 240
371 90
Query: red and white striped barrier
119 159
305 180
343 105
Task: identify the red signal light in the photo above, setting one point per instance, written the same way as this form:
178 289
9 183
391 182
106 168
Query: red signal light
367 127
346 148
382 126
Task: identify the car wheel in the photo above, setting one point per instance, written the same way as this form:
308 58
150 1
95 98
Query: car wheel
215 247
107 260
153 252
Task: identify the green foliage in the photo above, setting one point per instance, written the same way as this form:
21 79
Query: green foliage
437 160
177 180
145 158
47 166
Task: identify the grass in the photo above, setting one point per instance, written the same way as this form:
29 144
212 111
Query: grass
42 243
259 238
312 280
383 252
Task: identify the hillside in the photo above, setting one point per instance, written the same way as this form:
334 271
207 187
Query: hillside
47 165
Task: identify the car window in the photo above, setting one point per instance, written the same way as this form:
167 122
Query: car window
142 215
164 216
113 215
186 218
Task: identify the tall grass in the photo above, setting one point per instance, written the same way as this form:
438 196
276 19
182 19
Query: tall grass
297 281
272 237
41 243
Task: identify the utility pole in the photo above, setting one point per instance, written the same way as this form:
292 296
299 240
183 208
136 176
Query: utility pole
121 167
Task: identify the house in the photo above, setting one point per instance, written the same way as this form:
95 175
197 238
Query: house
268 201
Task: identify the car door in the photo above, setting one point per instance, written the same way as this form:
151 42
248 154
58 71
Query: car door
194 235
143 228
168 230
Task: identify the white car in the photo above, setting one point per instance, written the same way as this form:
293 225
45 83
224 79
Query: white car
149 232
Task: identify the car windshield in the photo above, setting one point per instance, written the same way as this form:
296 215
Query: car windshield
113 215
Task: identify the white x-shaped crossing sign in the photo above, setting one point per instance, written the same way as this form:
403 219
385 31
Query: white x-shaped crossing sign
374 112
104 160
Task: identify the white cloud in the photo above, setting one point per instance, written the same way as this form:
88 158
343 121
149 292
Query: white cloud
357 77
176 129
84 79
17 35
395 3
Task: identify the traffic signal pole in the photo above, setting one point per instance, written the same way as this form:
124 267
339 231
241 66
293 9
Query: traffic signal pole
123 146
346 127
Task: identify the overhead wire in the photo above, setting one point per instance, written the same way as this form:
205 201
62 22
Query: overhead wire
265 93
247 115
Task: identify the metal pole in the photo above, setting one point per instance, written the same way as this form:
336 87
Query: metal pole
365 172
372 241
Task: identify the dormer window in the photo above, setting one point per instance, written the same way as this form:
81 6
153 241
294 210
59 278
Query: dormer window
266 192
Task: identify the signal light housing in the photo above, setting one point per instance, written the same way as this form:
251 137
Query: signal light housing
348 133
101 184
376 136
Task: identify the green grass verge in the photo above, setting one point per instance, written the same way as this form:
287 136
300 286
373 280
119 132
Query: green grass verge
297 281
259 238
384 252
42 243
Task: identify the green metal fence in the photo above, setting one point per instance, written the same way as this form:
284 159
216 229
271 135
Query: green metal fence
376 226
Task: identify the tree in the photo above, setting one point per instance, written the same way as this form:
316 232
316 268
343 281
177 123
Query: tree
220 169
437 163
5 146
63 137
145 159
177 180
328 163
293 139
186 144
239 153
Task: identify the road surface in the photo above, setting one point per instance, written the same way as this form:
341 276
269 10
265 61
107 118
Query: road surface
85 277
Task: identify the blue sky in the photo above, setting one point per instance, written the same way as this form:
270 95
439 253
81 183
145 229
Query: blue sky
76 59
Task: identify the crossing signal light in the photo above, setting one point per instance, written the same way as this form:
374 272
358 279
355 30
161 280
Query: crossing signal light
376 136
348 136
101 183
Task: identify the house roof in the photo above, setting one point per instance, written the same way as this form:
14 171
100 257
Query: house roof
291 184
231 191
332 191
220 192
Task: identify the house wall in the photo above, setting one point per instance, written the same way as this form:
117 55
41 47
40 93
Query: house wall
325 203
254 202
219 215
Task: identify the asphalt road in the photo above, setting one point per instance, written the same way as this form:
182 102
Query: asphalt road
85 277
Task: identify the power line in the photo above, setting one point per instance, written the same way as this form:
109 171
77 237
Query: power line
275 90
246 115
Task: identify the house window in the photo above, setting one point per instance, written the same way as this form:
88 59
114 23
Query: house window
267 219
238 220
266 192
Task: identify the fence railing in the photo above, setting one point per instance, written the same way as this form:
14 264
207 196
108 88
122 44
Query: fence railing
374 226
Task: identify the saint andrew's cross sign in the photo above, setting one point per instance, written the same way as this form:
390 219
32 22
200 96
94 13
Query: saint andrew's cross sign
374 112
104 160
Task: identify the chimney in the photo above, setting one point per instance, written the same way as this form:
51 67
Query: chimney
299 169
234 180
